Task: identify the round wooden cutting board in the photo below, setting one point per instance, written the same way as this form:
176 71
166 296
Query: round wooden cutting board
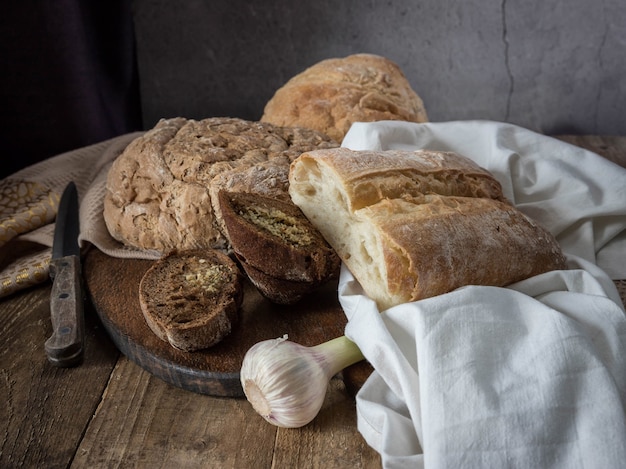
113 286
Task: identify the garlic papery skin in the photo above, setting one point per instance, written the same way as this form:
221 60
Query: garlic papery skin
286 382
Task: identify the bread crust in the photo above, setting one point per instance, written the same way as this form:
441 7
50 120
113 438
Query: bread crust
332 94
158 189
191 299
411 225
459 241
368 177
278 290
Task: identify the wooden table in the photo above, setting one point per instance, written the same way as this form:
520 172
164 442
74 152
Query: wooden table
109 412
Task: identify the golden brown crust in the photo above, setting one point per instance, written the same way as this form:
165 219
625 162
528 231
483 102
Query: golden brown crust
411 225
191 299
332 94
370 176
459 241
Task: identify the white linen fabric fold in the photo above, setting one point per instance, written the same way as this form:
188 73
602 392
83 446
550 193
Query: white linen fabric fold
532 375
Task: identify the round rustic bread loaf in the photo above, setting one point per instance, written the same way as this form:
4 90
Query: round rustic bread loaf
334 93
191 299
158 189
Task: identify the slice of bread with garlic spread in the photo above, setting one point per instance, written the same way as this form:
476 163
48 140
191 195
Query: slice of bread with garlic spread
191 299
284 255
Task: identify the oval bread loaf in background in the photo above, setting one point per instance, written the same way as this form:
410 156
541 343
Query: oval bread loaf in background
191 299
332 94
412 225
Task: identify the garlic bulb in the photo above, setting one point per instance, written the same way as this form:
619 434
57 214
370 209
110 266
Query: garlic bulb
286 382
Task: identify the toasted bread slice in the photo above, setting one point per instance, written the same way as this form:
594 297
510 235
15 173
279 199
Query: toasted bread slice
278 290
276 238
191 299
276 243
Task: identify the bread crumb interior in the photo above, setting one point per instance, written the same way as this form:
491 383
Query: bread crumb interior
278 223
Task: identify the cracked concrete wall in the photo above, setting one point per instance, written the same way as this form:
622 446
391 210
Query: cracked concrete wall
554 66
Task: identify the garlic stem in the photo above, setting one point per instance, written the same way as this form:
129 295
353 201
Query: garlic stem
339 353
286 382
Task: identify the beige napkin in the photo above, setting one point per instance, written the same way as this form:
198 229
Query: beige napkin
29 201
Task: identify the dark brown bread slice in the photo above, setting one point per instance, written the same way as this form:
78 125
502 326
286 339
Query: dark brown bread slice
274 237
278 290
282 253
191 299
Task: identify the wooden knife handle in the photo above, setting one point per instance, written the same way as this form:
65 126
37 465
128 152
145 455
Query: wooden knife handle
65 347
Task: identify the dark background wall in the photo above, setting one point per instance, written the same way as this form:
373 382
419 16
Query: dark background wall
556 66
75 72
68 77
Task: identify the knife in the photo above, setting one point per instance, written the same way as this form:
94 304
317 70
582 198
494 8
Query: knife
65 347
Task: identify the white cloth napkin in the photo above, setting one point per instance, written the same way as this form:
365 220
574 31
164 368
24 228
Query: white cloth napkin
529 376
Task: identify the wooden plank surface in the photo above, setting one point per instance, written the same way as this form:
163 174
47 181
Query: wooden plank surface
111 413
44 409
329 440
158 425
611 147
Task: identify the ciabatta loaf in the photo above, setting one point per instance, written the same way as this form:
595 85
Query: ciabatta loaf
191 299
411 225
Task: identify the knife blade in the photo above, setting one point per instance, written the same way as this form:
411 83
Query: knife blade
65 348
